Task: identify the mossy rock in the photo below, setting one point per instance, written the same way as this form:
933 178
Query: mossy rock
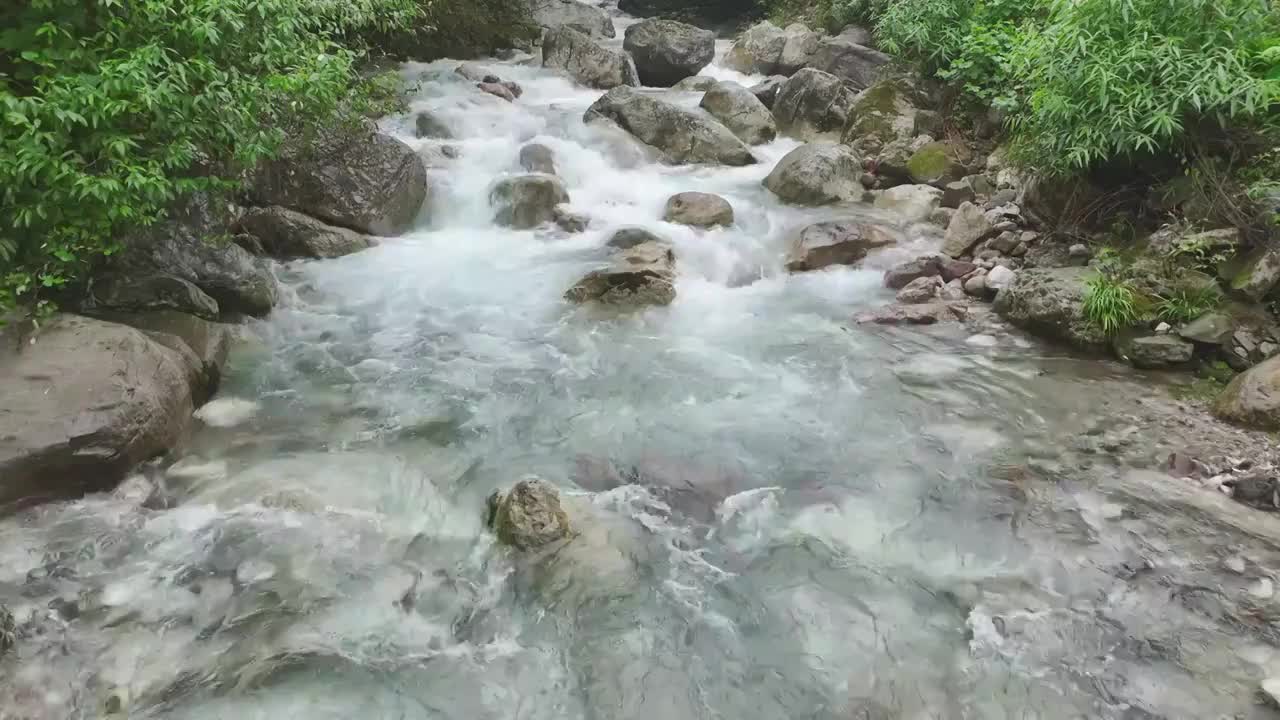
933 164
882 113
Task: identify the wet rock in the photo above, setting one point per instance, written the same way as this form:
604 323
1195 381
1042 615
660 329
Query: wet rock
353 178
118 292
682 135
285 234
920 290
666 51
1214 328
473 71
740 111
83 404
812 105
497 90
957 193
529 515
1254 275
953 269
552 14
192 245
570 221
1151 352
204 345
855 64
698 209
902 274
914 203
932 164
1257 489
816 174
527 201
925 314
538 158
884 112
586 61
999 278
969 226
629 237
427 125
758 50
766 91
1253 397
697 83
137 491
942 217
835 242
1050 302
641 275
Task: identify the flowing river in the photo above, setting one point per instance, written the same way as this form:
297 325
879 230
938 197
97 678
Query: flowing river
793 516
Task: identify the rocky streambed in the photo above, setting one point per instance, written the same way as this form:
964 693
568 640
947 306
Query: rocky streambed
630 401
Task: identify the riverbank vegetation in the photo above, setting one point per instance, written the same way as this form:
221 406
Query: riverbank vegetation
112 110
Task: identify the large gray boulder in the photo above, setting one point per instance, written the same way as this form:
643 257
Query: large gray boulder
354 178
683 136
1049 302
1253 397
576 54
529 515
191 248
84 403
758 50
798 48
741 111
812 105
912 203
816 174
639 275
552 14
855 64
698 209
834 242
968 227
766 91
286 234
666 51
527 201
884 112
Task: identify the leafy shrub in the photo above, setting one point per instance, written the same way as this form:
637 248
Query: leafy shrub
1129 78
1111 305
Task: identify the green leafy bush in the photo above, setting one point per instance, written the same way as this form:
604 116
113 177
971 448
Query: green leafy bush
1125 79
1111 304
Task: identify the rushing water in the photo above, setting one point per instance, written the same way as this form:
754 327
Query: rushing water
784 514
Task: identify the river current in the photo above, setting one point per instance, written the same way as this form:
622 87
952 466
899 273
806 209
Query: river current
787 515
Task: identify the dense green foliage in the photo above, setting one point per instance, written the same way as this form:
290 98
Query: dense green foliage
113 108
1111 304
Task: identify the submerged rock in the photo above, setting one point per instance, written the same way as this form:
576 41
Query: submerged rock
666 51
812 105
642 274
698 209
766 91
359 179
740 111
586 61
498 89
629 237
527 201
529 515
835 242
538 158
920 290
1253 397
1050 302
1151 352
929 313
816 174
427 125
682 135
286 234
83 404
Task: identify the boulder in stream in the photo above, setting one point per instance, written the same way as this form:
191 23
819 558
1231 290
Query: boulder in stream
855 64
666 51
427 125
83 404
913 203
529 515
884 112
968 227
1253 397
741 111
684 136
552 14
629 237
834 242
527 201
586 61
1150 352
766 91
538 158
354 178
816 174
1050 302
697 83
286 234
813 105
758 50
698 209
640 275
